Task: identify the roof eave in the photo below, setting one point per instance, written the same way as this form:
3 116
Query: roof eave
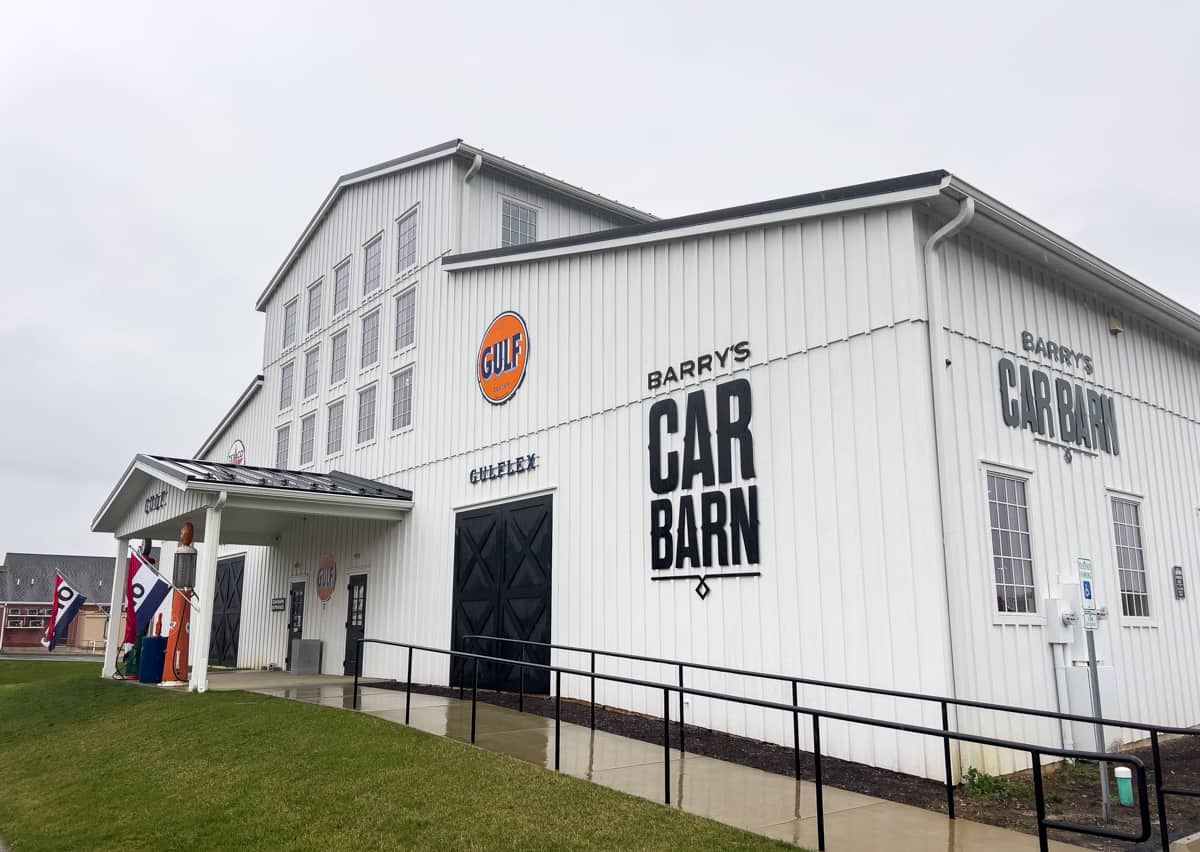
238 406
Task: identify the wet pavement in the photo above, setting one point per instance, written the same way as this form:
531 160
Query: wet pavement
761 802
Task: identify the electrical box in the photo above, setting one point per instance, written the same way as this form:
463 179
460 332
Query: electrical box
1059 631
306 656
1079 694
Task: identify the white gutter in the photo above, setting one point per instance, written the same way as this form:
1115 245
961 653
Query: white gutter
464 202
943 426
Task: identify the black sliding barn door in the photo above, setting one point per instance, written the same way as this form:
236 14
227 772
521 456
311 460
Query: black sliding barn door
502 583
227 612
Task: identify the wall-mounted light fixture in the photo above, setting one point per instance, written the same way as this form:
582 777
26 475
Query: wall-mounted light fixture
1115 326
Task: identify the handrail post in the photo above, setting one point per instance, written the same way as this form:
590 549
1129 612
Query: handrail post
1040 802
816 725
1159 795
796 730
474 698
681 734
593 684
408 687
521 697
557 718
357 668
946 755
666 745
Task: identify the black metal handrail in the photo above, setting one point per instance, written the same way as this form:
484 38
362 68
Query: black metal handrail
1036 752
945 701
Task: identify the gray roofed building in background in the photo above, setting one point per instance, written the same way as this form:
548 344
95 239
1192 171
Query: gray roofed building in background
29 577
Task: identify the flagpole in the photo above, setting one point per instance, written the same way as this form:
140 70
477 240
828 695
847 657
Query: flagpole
188 596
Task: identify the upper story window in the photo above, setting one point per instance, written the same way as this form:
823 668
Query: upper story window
289 322
341 288
371 265
337 364
282 437
406 242
402 398
1131 566
406 318
308 435
370 338
312 371
314 308
333 432
287 377
366 414
1012 559
518 224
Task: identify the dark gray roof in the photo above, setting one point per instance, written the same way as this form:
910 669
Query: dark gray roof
334 482
29 577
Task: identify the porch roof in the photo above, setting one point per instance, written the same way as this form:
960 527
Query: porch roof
157 493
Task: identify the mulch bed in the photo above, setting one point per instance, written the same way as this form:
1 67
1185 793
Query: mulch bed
1072 795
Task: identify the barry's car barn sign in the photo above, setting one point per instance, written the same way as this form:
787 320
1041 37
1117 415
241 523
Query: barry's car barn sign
700 519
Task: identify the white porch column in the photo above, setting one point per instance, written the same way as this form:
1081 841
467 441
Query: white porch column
112 639
206 587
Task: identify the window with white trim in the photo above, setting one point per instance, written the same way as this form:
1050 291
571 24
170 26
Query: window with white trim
308 435
1131 565
337 363
282 437
518 224
314 307
341 288
370 339
372 256
406 318
1012 558
289 322
287 377
406 242
402 399
366 413
333 432
312 371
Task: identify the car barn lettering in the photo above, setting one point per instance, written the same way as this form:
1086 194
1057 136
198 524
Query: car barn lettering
505 467
713 523
1056 352
1057 409
698 366
155 501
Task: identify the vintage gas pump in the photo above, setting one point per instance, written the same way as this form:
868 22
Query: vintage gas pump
175 666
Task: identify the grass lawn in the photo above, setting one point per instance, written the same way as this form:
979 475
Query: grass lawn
92 764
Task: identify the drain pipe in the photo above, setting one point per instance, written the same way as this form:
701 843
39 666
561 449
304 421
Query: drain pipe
464 205
939 364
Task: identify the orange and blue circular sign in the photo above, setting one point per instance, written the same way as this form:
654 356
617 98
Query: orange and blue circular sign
503 357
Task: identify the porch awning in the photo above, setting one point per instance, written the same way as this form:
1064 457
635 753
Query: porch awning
156 494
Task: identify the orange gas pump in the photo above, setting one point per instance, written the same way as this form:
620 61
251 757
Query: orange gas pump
175 667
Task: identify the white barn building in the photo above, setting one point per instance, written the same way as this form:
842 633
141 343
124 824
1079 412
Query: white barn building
863 435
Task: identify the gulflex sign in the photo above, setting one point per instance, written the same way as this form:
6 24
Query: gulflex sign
704 512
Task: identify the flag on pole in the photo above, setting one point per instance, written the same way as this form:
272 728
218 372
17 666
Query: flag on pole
145 593
67 603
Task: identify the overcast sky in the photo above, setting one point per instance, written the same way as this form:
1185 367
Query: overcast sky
157 161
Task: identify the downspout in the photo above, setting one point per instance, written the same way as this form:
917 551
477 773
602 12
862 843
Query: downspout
939 364
464 204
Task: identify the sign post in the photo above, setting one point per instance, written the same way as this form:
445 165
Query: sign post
1091 623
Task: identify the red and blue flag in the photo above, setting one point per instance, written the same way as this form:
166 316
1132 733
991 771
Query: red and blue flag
67 603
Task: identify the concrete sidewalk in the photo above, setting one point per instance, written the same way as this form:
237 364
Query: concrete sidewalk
761 802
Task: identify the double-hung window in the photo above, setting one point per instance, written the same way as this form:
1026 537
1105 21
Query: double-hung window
366 413
282 437
314 308
370 339
1131 565
312 371
308 435
289 322
287 374
371 265
341 288
406 242
518 224
402 386
406 318
1012 558
333 432
337 363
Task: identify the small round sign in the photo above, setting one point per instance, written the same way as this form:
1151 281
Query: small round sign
326 578
503 355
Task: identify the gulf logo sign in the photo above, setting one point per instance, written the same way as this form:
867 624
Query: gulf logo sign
503 356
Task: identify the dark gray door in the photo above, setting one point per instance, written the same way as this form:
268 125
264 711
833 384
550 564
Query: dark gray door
227 612
356 620
295 624
502 583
